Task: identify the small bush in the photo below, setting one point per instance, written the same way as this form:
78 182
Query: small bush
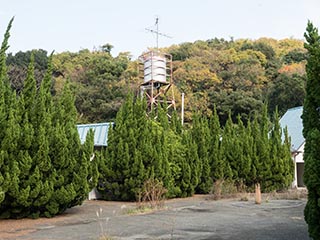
224 189
152 194
216 189
244 198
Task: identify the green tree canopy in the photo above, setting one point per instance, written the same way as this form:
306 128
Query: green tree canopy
44 169
311 131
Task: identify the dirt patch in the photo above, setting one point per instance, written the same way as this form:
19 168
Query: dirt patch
85 214
11 228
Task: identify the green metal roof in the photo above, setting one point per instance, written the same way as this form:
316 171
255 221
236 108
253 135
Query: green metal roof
292 119
100 132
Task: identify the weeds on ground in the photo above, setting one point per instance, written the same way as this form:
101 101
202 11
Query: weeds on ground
150 198
105 238
228 189
103 223
291 194
244 198
139 210
224 189
152 195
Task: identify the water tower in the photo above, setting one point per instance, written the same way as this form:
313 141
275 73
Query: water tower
157 77
157 80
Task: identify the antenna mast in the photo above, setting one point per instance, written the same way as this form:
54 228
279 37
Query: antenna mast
156 31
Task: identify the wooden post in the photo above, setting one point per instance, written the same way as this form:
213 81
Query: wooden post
258 193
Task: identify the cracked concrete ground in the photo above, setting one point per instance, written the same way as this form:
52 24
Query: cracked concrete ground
190 218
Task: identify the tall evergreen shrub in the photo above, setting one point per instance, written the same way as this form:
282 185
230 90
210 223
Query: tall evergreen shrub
311 132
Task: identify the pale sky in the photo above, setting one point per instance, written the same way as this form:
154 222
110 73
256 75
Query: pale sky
72 25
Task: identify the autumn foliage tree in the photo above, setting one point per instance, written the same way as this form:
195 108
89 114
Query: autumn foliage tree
237 75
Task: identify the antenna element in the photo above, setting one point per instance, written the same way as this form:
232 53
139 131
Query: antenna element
156 31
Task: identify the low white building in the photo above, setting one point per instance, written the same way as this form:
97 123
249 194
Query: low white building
293 121
100 140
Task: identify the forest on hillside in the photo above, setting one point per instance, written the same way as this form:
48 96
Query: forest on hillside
235 75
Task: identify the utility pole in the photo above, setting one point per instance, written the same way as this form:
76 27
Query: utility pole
182 108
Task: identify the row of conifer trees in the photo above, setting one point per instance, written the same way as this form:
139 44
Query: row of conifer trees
44 168
189 160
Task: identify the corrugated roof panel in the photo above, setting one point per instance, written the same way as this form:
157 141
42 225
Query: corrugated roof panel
100 132
292 119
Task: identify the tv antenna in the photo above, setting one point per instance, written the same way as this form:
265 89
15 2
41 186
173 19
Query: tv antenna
156 31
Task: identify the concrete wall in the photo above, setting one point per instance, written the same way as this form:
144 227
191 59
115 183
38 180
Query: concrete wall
94 194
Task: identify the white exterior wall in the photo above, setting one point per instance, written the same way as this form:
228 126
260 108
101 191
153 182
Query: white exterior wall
94 194
297 158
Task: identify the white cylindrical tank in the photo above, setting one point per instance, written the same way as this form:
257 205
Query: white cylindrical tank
155 68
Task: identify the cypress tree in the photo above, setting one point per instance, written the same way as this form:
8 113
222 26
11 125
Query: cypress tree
311 132
176 124
280 157
29 91
107 175
192 180
162 117
138 174
41 121
161 147
256 174
28 188
9 145
4 80
27 107
263 148
9 167
261 164
216 161
226 150
126 152
277 164
4 170
180 169
288 162
232 148
71 159
249 145
185 185
88 153
40 149
244 141
138 149
205 180
174 166
201 136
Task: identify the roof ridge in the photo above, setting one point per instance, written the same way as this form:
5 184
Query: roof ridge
94 124
294 108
